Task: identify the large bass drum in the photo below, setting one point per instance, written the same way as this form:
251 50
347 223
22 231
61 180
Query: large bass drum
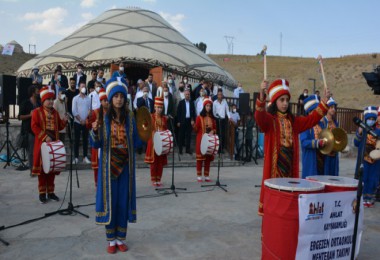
209 144
163 142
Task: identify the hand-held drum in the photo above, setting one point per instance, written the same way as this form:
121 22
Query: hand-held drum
335 183
280 221
209 144
53 156
163 142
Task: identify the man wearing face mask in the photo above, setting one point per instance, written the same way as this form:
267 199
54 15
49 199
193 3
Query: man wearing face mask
186 83
301 98
139 92
81 108
79 76
94 96
60 106
168 101
371 167
151 85
185 121
120 72
239 89
171 84
145 100
180 94
235 122
71 92
91 83
64 83
199 101
36 78
198 88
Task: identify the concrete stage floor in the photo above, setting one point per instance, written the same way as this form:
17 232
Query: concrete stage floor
205 225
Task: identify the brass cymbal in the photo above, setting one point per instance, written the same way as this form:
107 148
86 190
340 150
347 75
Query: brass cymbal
144 123
341 139
328 137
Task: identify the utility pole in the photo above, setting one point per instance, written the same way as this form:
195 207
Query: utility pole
230 44
34 46
281 44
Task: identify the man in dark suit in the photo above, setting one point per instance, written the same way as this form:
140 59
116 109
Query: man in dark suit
80 76
145 100
64 83
168 102
185 121
151 85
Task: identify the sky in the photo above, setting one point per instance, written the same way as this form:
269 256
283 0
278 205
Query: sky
331 28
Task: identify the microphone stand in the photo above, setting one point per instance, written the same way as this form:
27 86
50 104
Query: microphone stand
217 183
172 188
70 208
359 190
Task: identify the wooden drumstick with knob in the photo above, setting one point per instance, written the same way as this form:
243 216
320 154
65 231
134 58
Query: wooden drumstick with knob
264 53
322 71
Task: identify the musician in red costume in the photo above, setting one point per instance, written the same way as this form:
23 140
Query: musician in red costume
97 114
281 129
157 163
205 123
46 124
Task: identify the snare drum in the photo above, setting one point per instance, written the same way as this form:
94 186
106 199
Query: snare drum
280 221
209 144
53 156
335 183
163 142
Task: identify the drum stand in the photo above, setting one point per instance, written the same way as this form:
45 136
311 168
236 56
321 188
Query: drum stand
359 190
9 146
217 183
172 189
70 210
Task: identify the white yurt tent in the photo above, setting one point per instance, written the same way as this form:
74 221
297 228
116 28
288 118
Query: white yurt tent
141 38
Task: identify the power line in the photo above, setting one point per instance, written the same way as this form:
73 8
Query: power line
230 44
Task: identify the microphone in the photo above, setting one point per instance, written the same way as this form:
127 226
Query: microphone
363 125
217 115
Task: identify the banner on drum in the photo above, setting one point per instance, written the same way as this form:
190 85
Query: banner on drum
326 225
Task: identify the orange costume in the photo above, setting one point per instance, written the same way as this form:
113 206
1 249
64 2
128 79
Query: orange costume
203 124
45 122
157 162
281 146
92 118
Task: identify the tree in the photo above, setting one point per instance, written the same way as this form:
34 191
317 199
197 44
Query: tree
201 46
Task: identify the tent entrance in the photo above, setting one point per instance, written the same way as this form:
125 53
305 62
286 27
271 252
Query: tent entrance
134 73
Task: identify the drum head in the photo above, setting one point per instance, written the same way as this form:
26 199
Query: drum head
45 156
157 143
293 184
375 154
334 180
204 144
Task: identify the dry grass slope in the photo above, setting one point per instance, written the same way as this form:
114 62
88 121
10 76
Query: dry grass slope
10 64
343 75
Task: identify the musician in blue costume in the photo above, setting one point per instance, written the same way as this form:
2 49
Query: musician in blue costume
312 159
371 167
116 136
331 160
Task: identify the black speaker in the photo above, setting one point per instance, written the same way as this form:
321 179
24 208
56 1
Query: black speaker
22 88
255 97
244 103
7 90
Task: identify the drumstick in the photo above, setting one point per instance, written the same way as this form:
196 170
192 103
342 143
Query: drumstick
264 53
322 71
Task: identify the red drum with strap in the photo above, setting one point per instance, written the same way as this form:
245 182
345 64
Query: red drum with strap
163 142
209 144
280 221
53 156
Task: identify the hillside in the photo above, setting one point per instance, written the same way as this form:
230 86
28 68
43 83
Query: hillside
343 75
10 64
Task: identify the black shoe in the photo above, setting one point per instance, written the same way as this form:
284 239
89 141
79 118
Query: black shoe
52 196
43 199
180 152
